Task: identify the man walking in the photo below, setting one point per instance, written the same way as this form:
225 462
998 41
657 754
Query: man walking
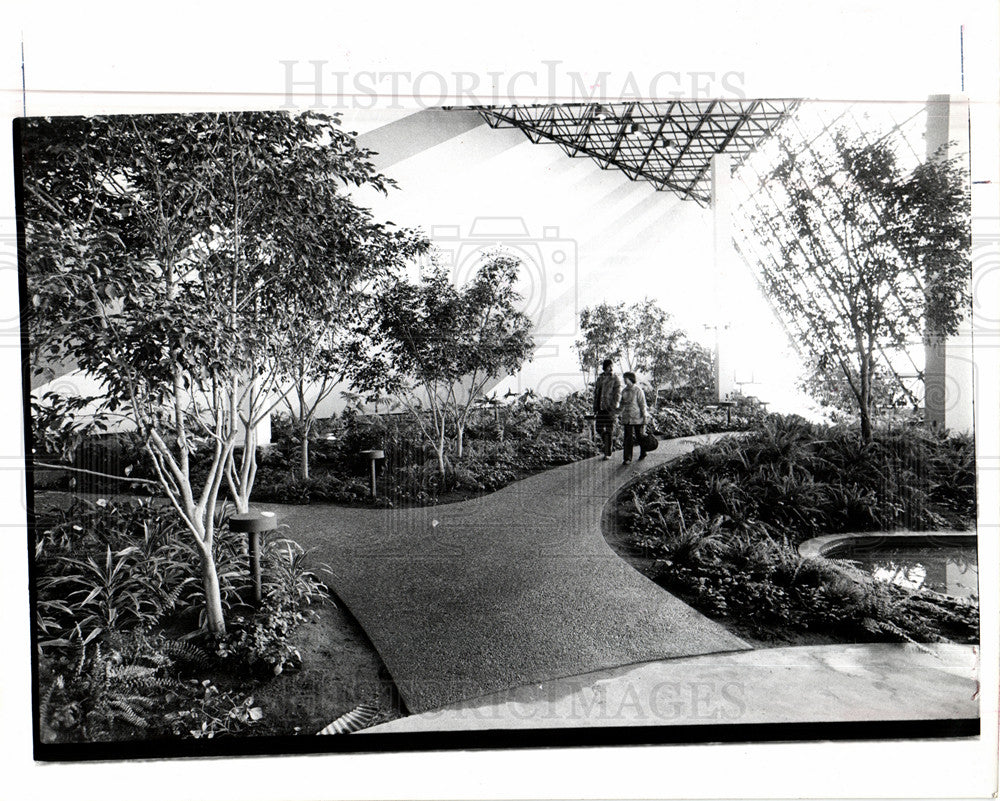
607 395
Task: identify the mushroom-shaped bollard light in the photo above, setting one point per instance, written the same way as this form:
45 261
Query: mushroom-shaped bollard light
253 524
373 456
728 405
591 423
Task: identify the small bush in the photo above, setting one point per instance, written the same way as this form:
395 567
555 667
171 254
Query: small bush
323 488
257 642
111 577
725 522
136 685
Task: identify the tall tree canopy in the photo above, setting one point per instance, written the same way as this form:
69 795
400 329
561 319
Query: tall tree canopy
180 259
446 342
868 257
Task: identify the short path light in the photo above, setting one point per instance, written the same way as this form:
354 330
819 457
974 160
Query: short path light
728 405
253 524
373 456
591 424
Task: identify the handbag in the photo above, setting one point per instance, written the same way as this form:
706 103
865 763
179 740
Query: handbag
648 439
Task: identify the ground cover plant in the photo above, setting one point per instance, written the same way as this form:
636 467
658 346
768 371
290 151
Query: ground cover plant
502 443
721 528
122 647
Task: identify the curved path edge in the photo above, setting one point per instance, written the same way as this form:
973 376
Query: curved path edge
804 684
516 587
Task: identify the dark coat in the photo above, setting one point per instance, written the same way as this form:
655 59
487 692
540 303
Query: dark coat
607 393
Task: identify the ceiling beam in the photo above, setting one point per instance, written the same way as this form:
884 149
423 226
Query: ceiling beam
702 128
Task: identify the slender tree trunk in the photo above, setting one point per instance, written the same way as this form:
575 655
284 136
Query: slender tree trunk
247 487
214 620
459 438
304 456
439 448
866 400
247 472
866 426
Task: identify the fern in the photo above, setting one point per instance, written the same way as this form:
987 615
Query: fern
886 626
187 652
360 717
127 708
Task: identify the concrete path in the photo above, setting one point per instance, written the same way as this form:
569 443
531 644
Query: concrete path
808 684
515 588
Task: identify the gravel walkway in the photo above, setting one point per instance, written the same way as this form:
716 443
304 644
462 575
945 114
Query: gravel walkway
514 588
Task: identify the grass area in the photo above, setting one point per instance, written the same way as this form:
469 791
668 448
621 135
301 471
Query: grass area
720 528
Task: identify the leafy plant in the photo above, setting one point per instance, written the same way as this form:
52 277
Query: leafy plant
111 566
258 642
724 523
114 690
214 712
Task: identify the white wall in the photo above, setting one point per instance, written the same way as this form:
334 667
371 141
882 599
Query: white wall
621 241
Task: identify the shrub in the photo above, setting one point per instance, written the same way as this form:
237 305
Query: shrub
565 414
521 420
134 685
322 488
110 565
553 448
256 642
111 577
725 521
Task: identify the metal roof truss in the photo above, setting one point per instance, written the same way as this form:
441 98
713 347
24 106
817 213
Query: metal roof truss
670 144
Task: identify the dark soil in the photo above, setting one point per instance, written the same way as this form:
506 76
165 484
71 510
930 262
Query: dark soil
340 670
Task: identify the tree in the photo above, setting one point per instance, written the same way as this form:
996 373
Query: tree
833 393
175 258
447 342
338 347
639 337
686 366
600 327
866 254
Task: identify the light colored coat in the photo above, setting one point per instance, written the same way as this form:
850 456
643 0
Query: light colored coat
633 405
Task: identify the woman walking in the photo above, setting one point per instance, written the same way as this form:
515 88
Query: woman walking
633 409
